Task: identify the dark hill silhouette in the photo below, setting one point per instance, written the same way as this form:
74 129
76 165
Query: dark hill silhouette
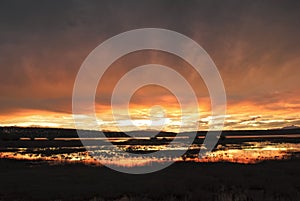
15 133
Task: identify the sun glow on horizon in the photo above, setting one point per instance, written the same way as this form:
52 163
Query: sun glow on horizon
239 117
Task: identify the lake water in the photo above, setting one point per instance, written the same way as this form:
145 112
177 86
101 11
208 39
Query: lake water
248 149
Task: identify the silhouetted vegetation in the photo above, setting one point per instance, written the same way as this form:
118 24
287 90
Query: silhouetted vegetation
267 181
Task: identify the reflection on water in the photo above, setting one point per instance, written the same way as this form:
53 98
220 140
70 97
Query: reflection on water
253 152
245 152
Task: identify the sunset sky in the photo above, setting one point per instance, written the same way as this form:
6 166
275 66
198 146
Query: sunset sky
254 44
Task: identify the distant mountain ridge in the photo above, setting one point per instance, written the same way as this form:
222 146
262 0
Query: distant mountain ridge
15 133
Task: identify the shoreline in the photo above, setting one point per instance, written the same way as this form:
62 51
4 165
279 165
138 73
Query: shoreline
268 180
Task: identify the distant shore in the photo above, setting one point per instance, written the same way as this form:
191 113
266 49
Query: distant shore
269 180
15 137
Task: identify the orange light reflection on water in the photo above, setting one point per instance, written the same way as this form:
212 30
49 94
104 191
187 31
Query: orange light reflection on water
248 153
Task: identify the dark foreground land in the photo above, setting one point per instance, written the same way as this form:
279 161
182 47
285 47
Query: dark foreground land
270 180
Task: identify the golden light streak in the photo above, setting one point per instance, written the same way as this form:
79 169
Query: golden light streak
242 115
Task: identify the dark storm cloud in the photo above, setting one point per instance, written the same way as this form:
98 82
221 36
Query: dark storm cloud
255 44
